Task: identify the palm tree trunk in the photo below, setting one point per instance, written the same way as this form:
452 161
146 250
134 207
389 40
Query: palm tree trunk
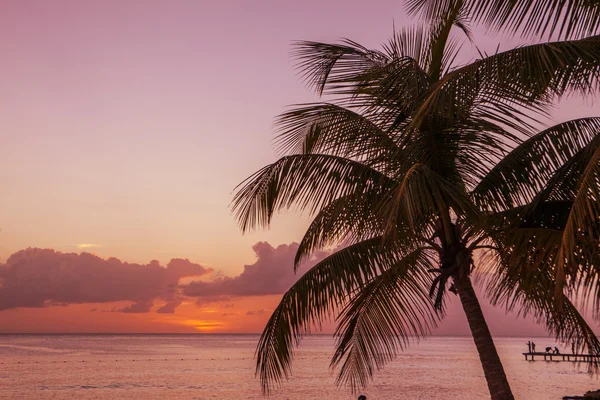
492 367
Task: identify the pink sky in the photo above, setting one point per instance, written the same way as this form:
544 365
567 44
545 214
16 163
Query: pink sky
127 124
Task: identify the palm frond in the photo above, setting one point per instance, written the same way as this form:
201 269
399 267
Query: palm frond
390 311
375 81
529 76
409 42
309 181
389 95
519 176
320 63
535 297
348 219
331 129
472 147
583 219
420 196
566 18
442 24
354 218
317 296
529 250
576 180
547 214
534 248
429 9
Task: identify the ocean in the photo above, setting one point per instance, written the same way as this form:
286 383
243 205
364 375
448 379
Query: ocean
222 367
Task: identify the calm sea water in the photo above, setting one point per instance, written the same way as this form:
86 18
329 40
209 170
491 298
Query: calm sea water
221 367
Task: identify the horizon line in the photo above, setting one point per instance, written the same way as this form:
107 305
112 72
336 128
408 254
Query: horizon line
234 333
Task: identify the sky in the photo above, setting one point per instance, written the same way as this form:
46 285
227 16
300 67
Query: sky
125 127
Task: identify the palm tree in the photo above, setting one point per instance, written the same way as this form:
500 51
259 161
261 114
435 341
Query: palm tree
425 172
562 18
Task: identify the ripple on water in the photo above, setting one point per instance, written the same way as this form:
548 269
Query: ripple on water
445 368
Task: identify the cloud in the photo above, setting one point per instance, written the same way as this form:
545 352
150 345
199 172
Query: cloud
169 308
139 307
272 273
256 312
42 277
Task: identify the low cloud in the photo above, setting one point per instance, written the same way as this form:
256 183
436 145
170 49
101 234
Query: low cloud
42 277
169 308
139 307
272 273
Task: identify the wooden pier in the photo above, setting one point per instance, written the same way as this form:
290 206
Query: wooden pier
562 357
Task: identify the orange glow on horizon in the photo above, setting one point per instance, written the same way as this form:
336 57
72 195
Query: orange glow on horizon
239 315
203 325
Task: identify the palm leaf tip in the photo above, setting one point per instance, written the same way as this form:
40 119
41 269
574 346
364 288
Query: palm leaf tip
315 298
274 353
307 181
390 311
324 65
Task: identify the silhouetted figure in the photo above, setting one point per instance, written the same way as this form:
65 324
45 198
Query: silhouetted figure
362 397
573 347
529 346
556 350
532 347
548 349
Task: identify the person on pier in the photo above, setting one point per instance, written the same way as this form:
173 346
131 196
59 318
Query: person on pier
532 347
556 350
529 346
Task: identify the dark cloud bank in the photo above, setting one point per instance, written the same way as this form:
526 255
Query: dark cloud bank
42 277
272 273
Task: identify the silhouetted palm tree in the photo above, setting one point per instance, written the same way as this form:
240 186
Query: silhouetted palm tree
425 171
562 18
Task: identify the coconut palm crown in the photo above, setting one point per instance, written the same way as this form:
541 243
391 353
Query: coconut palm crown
423 173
